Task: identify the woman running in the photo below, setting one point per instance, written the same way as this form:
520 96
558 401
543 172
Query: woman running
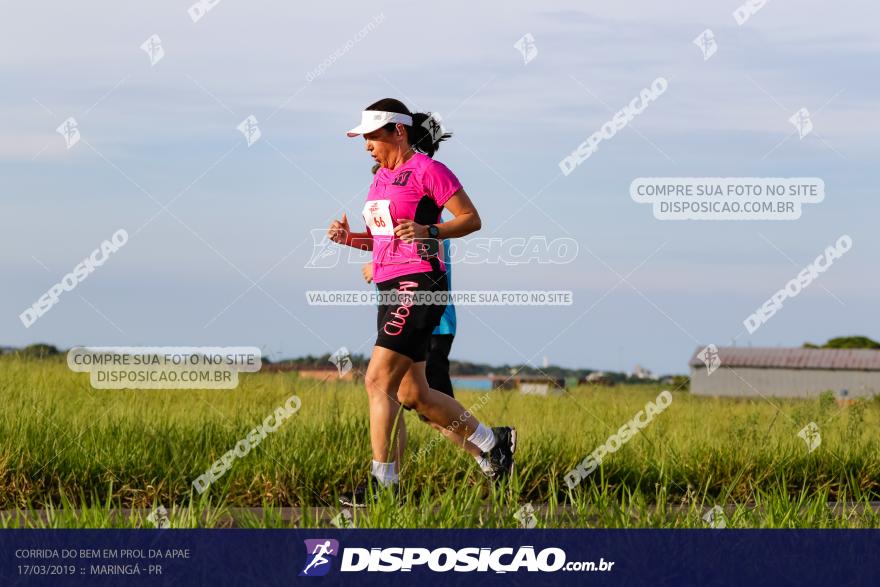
402 214
437 366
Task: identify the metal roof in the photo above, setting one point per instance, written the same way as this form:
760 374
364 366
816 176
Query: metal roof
794 358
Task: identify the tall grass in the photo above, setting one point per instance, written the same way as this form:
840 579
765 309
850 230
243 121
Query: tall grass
81 454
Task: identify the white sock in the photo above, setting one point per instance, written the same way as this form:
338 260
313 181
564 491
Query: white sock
385 473
484 464
483 438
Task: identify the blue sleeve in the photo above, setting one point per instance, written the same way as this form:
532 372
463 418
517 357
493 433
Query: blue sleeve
447 321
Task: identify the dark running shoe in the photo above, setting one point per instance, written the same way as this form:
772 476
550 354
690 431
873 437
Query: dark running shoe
367 493
501 455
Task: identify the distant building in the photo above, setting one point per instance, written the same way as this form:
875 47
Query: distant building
527 384
598 378
483 382
640 372
331 374
327 375
786 372
540 384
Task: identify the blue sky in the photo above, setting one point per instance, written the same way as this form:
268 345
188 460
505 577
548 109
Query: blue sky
243 214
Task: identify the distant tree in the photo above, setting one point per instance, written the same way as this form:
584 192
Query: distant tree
38 351
852 342
680 382
846 342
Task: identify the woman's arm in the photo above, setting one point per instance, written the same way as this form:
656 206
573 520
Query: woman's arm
339 233
465 220
360 240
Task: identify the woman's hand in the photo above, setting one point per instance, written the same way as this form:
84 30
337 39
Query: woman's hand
367 272
338 231
408 231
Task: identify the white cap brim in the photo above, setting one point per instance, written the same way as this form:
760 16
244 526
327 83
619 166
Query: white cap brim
375 119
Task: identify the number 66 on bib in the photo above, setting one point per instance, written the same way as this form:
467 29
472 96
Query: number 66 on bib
377 215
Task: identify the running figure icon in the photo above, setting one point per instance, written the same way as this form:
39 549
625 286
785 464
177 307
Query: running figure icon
318 551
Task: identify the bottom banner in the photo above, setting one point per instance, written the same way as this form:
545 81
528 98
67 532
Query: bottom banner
388 557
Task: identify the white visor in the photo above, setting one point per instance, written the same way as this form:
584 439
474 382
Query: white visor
375 119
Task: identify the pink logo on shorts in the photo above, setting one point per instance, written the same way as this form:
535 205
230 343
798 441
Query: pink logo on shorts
399 316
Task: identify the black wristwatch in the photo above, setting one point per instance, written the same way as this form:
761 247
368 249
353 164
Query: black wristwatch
433 231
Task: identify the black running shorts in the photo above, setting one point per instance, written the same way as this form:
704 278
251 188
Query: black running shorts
406 328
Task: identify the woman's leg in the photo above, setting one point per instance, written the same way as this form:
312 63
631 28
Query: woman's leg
457 439
384 374
437 373
497 445
437 407
400 428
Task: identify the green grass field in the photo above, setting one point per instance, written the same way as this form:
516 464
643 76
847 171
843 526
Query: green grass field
79 454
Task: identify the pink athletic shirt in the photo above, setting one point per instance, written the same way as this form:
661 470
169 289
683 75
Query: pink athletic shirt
417 190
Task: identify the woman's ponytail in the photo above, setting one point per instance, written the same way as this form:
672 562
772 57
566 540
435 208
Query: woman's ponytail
426 134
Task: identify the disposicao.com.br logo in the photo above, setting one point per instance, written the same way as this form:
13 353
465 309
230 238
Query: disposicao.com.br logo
442 560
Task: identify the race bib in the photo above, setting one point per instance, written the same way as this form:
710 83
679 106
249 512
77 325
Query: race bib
377 215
